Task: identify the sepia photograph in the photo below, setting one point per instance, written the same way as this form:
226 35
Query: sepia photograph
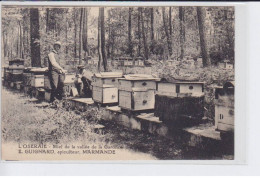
117 83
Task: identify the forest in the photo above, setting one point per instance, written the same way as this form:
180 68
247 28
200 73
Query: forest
103 33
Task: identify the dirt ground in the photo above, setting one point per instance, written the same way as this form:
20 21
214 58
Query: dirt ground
28 120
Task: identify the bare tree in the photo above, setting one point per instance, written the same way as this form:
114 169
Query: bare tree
35 37
144 36
139 31
130 44
80 35
203 43
152 29
169 42
101 40
85 32
181 18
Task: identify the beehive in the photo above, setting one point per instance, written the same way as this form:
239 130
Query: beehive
137 81
136 92
37 76
137 99
105 94
37 81
17 62
180 88
104 86
27 77
139 61
106 78
224 107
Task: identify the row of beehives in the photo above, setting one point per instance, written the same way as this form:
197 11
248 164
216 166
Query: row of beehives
137 92
39 78
34 78
170 100
128 61
132 92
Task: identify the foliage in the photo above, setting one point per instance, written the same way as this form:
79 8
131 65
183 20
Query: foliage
63 24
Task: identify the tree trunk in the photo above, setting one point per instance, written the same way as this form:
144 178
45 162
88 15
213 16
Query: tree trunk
169 42
109 43
130 45
103 44
47 20
181 15
75 34
85 32
170 22
35 37
152 30
203 43
99 41
113 44
21 40
80 36
144 36
5 44
66 36
139 32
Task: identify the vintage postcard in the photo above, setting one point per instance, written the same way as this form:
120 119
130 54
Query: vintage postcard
117 83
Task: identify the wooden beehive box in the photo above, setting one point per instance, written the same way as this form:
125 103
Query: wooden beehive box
37 76
106 78
139 61
104 86
105 94
136 92
137 81
128 61
138 99
37 81
6 74
14 77
69 84
69 78
224 107
180 88
16 62
27 77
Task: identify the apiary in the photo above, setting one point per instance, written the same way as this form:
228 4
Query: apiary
224 107
105 94
105 87
180 88
136 92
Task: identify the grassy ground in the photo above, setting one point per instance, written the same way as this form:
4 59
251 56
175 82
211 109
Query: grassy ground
24 119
